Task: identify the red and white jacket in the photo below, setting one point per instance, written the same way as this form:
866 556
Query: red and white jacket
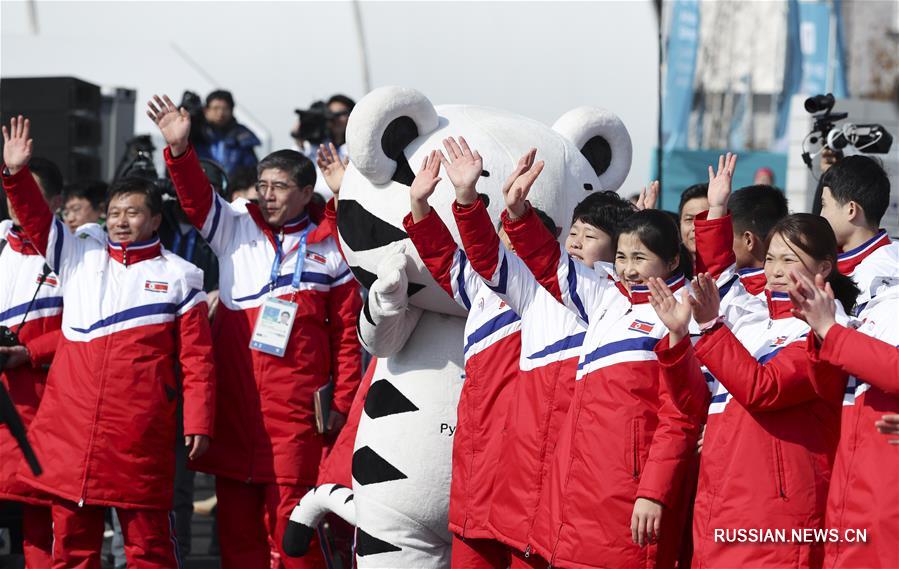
551 338
491 349
265 413
135 313
864 489
624 437
770 436
21 279
873 265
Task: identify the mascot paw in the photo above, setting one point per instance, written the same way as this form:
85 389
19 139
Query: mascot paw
390 288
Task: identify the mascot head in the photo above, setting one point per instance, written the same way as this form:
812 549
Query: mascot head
392 129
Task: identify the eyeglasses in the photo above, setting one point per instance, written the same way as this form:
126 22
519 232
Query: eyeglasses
263 187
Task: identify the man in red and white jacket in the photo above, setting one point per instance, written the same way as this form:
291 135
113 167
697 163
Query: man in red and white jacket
267 450
106 423
36 324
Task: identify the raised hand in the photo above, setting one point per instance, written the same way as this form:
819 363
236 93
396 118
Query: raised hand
518 185
463 167
648 197
704 301
17 144
813 301
672 312
720 185
331 166
173 123
423 186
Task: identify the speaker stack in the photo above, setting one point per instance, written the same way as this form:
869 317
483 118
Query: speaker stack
65 121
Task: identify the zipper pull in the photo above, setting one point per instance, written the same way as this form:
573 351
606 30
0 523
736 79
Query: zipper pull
527 551
81 503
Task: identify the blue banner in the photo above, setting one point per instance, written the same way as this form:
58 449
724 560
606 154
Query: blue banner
683 45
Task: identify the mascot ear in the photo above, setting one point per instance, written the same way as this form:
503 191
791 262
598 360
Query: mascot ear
381 126
603 140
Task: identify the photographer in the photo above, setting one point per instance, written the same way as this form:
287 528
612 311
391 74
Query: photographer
223 139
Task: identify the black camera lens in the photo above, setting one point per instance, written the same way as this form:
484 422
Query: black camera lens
819 103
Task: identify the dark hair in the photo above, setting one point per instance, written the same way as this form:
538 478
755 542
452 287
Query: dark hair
342 99
604 210
691 193
136 185
220 95
297 166
49 175
660 234
814 236
863 180
548 222
93 191
757 208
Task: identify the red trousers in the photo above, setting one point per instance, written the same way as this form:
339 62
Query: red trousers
479 554
37 536
251 523
78 537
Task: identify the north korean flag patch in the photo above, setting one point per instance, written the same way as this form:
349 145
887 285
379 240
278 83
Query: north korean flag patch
156 286
641 326
315 257
49 280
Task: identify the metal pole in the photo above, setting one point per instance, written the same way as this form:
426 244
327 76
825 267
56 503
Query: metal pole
360 43
659 131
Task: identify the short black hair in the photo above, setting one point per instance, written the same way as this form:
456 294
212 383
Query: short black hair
757 209
137 185
342 99
221 95
49 175
691 193
860 179
94 191
547 222
243 177
298 167
604 210
659 232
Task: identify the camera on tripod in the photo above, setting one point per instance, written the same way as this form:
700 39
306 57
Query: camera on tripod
866 138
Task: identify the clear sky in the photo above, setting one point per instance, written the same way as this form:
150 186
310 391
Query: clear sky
539 59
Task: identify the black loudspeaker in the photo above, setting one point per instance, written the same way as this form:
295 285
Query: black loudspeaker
65 121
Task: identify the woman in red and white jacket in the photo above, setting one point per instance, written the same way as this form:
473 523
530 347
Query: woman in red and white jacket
624 448
864 489
770 436
491 348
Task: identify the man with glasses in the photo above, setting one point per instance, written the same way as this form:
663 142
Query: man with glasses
272 260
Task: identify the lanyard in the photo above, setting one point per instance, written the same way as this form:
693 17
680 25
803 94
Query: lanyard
297 270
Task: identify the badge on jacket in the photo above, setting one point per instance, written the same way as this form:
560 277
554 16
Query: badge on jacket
273 325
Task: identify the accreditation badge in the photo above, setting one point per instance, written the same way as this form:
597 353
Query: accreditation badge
273 325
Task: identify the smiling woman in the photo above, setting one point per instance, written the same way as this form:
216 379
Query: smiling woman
648 246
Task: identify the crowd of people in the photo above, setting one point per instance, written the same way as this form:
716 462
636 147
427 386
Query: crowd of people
715 377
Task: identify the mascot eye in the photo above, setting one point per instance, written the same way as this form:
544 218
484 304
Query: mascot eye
485 173
397 136
598 153
588 187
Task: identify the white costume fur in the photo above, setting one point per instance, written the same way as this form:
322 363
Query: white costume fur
402 452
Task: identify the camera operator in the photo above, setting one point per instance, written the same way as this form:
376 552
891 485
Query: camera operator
25 282
322 124
223 139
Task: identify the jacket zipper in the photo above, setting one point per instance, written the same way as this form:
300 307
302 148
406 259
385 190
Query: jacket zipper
100 389
779 470
635 448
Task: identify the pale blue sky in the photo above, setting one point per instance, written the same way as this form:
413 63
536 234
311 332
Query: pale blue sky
539 59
